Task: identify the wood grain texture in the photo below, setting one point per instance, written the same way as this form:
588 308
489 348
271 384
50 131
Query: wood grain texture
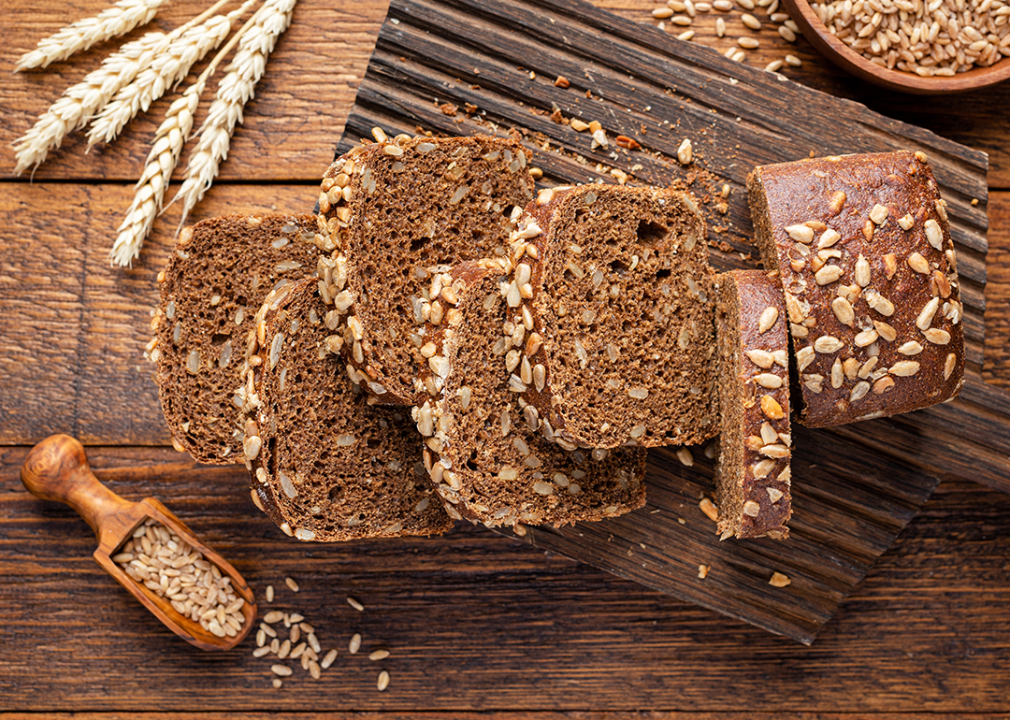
499 715
528 630
997 293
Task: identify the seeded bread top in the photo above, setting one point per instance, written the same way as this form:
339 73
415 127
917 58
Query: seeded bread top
870 277
614 288
753 472
400 214
484 454
216 280
326 465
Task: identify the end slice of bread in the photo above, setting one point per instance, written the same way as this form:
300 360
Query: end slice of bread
399 214
483 451
614 289
752 472
215 282
326 465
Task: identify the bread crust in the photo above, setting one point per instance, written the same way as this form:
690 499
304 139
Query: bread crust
869 275
752 472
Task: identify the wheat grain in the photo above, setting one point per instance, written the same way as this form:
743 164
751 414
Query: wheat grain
165 71
258 38
112 22
80 102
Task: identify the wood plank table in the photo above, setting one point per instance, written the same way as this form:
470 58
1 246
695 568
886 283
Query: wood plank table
478 626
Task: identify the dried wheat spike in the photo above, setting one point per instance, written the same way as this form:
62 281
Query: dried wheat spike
81 101
166 71
257 41
112 22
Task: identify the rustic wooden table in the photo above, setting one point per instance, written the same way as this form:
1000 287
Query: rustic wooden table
477 625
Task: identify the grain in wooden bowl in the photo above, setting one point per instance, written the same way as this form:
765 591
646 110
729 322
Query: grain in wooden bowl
895 66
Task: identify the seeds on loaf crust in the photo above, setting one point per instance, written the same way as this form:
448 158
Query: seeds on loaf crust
325 464
611 317
215 282
870 278
752 472
400 214
483 451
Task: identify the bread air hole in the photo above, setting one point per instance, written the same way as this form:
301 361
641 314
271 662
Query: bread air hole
650 233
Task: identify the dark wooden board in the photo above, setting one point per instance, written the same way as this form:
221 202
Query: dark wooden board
477 623
464 66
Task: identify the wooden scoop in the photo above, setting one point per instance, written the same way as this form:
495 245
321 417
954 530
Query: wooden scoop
57 469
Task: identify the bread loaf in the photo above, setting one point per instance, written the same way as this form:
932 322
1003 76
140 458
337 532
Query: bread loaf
752 472
483 450
326 465
870 278
614 291
215 282
400 214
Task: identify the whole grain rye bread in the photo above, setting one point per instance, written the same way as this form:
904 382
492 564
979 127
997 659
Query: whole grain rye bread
326 465
484 453
870 279
215 281
611 310
752 471
400 214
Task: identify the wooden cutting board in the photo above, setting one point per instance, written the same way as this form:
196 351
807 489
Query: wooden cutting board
470 66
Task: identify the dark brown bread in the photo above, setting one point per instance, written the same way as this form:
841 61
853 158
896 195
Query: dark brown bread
399 215
870 277
752 472
216 280
611 312
326 465
484 454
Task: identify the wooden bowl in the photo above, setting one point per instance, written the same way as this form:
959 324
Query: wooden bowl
848 59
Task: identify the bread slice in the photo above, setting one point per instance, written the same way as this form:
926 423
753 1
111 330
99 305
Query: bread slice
326 465
615 290
870 279
483 451
752 472
215 282
399 214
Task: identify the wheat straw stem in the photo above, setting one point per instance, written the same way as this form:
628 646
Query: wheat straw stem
258 38
161 161
112 22
167 70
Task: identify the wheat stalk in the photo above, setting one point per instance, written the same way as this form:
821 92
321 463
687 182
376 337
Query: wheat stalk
165 71
235 89
111 22
81 101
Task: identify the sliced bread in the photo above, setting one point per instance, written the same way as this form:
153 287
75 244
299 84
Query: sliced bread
215 282
326 465
869 272
400 214
484 453
752 471
614 291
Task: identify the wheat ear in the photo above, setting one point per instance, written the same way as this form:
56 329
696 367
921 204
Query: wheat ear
81 101
161 161
257 42
165 71
111 22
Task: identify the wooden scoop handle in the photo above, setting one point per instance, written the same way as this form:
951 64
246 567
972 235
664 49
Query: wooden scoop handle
57 469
